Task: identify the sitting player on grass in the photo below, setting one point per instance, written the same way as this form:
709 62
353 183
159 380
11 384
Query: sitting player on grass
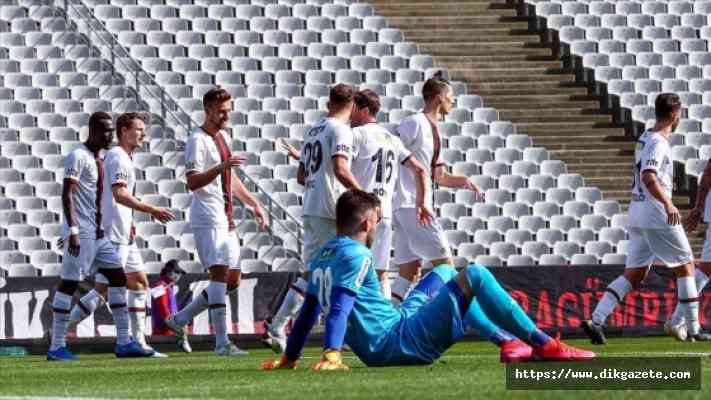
344 283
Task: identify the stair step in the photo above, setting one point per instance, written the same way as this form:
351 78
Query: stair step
572 147
461 49
485 64
473 36
514 75
551 115
522 105
553 139
416 10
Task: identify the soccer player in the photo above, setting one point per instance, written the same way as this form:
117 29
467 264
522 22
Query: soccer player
677 325
655 230
118 203
164 304
377 157
415 242
210 178
325 172
86 249
344 284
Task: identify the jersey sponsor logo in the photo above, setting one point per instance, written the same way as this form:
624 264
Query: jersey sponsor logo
343 148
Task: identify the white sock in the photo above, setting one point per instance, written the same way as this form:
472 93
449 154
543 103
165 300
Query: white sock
85 307
216 292
688 302
385 287
136 301
615 292
289 307
61 304
701 280
119 310
401 287
195 307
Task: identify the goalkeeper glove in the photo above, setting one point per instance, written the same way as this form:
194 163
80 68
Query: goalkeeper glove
331 361
282 363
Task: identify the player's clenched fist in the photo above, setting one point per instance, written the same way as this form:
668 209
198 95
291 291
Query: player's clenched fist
282 363
331 361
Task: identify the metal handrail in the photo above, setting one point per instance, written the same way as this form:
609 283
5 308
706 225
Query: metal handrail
143 82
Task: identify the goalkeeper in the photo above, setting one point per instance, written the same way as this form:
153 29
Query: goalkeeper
344 284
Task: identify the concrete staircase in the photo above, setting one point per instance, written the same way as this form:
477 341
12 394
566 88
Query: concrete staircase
487 45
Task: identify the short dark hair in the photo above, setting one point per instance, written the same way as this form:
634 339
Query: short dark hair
98 116
340 95
351 207
171 266
434 86
370 99
665 105
125 120
215 95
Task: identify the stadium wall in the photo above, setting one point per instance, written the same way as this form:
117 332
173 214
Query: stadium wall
558 298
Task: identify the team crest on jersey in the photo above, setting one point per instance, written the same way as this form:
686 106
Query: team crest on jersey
326 254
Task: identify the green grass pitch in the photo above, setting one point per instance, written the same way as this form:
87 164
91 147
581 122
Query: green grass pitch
469 370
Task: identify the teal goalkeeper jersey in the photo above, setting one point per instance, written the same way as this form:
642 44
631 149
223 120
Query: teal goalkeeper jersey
348 264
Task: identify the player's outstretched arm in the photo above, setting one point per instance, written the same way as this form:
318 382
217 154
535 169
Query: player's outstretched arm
299 333
694 217
123 197
341 301
424 215
444 178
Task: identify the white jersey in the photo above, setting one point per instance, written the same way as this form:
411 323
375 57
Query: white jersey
118 219
652 153
376 162
423 142
83 168
211 205
325 140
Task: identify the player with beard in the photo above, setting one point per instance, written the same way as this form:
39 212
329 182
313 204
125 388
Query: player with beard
208 169
345 286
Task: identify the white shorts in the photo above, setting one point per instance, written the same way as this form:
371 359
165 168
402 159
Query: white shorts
706 252
415 242
668 245
382 244
217 246
317 231
93 255
130 257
